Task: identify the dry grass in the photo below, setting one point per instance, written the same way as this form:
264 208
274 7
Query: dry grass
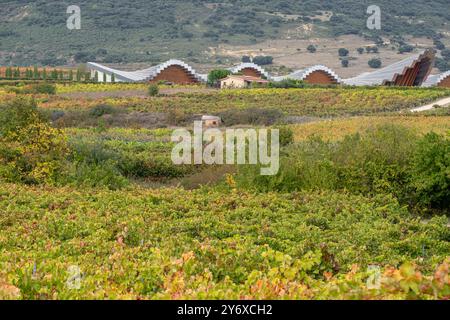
337 129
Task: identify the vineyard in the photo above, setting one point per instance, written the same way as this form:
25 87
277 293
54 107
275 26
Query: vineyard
87 184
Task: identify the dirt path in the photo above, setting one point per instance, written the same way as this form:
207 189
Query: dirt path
442 103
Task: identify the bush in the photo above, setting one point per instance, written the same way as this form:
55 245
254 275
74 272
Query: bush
430 176
263 60
406 48
345 63
375 162
252 116
43 88
246 59
153 90
343 52
311 48
375 63
31 151
101 110
286 135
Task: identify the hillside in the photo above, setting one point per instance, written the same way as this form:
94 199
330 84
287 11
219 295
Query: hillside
151 31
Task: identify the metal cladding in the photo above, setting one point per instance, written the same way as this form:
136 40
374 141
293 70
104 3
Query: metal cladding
305 73
412 71
438 80
148 74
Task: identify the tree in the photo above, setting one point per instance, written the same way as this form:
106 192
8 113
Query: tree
446 54
79 75
17 73
113 78
405 48
44 74
439 45
375 63
246 59
54 74
8 73
345 63
32 150
96 76
71 75
343 52
311 48
360 50
215 75
442 65
104 77
153 90
263 60
36 74
61 75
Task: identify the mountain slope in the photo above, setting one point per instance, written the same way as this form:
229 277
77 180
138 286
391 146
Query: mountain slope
151 31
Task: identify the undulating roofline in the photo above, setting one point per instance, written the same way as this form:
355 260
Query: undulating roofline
412 71
145 74
304 73
437 79
249 65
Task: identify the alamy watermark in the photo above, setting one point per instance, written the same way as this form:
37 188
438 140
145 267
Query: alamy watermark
374 21
74 20
374 279
213 146
73 281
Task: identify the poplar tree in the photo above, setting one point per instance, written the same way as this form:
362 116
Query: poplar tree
17 73
54 74
36 73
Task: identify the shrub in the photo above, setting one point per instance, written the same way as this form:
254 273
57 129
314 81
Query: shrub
153 90
31 151
343 52
375 162
430 177
254 116
375 63
345 63
286 136
246 59
311 48
406 48
263 60
101 110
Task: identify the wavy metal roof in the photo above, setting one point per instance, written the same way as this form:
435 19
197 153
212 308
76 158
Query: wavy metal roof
302 74
389 73
435 80
145 74
249 65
